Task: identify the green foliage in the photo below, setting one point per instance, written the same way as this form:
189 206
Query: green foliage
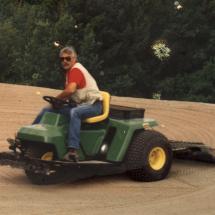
202 83
114 40
7 36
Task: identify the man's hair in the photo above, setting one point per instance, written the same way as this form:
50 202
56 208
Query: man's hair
69 50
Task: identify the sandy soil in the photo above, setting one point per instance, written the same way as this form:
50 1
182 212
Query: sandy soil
189 188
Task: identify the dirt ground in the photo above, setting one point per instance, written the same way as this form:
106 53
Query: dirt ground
189 188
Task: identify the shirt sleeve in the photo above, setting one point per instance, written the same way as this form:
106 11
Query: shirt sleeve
75 75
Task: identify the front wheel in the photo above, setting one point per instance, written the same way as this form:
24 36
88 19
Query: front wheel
149 156
35 177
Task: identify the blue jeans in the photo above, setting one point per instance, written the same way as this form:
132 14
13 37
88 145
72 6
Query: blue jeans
76 115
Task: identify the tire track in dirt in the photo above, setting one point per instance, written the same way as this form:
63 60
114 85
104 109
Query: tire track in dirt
188 180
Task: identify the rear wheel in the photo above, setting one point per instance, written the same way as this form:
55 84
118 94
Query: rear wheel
149 156
54 176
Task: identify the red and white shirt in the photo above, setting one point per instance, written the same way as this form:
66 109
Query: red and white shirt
75 76
87 91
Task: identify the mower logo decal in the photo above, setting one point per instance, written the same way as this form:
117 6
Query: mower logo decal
39 126
146 125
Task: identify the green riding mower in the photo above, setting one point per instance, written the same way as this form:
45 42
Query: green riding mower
118 141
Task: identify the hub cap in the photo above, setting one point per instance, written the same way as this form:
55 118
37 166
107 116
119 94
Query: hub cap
157 158
48 156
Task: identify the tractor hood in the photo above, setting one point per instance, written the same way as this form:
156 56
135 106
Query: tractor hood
41 133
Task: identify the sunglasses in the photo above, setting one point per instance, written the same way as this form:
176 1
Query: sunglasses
65 58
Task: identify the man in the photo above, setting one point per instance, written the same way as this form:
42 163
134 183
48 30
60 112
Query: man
81 87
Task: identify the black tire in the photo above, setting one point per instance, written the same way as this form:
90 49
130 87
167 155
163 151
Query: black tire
139 166
56 175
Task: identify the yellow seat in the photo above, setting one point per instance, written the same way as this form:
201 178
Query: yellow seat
106 109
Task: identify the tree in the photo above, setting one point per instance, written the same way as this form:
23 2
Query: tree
114 41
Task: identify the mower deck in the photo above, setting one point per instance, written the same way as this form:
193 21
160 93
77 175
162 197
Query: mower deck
7 158
193 151
44 166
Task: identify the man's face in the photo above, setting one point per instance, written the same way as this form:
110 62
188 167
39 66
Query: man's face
67 60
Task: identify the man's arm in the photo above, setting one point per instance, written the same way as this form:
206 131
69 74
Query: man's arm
68 91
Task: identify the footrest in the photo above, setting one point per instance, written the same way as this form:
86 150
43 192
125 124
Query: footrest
80 163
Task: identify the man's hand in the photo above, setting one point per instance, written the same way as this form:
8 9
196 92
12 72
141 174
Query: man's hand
57 104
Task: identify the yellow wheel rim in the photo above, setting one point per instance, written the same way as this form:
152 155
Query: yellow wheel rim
48 156
157 158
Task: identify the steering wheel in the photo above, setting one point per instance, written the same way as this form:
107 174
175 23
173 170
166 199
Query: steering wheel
57 102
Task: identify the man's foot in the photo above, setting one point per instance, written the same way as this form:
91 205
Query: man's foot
71 156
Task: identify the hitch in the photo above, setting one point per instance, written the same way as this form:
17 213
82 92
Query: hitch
15 144
12 144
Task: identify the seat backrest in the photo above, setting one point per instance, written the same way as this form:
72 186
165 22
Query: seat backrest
106 109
